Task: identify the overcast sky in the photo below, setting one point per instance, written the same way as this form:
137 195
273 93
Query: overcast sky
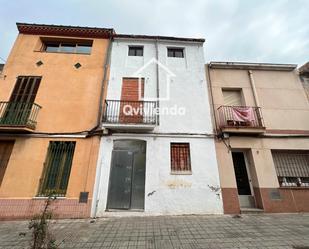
235 30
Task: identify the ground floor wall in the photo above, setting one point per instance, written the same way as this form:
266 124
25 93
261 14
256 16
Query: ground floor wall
269 196
19 188
166 193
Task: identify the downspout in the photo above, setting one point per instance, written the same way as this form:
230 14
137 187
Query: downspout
158 80
212 108
256 99
106 67
99 120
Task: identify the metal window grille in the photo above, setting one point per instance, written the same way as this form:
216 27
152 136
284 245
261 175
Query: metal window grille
292 168
57 168
180 157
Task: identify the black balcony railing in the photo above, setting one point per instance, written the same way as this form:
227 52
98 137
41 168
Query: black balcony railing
240 117
129 112
18 114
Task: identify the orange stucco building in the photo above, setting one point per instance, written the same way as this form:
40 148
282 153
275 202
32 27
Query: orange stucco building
51 93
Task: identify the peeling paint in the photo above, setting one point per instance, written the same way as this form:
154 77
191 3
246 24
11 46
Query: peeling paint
178 183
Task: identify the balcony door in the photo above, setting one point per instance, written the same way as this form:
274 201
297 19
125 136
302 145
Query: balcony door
19 107
131 107
232 97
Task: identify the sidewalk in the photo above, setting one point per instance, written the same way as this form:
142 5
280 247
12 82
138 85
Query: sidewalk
167 232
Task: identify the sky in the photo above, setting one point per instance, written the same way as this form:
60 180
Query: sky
274 31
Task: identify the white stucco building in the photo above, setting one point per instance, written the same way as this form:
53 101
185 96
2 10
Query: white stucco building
157 163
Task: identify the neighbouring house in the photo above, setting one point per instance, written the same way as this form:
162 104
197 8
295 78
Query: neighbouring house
50 102
158 154
304 76
262 122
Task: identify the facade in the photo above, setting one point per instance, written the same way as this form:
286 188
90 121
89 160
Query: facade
51 90
262 121
150 161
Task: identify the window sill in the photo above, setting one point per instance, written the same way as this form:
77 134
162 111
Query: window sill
45 197
181 173
296 188
49 52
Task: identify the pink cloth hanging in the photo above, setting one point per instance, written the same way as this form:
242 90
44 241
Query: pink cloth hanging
243 114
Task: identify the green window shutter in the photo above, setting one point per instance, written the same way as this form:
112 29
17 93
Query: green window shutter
57 168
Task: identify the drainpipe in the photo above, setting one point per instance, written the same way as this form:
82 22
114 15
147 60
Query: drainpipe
158 89
212 108
256 99
106 65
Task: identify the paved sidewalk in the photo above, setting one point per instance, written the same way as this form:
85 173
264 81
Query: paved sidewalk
166 232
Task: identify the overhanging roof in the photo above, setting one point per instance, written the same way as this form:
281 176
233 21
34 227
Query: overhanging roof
253 66
152 37
304 68
61 30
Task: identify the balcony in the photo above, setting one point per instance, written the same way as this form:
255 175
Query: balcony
240 119
18 116
129 115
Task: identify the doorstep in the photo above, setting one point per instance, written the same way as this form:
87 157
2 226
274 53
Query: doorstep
251 211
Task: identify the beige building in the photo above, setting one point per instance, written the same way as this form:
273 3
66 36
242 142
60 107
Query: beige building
262 124
51 93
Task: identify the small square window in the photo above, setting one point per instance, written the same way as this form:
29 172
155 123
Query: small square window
175 52
180 157
136 51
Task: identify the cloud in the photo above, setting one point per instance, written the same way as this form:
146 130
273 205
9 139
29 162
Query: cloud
269 31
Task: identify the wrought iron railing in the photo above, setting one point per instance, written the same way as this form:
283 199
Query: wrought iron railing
229 117
19 114
129 112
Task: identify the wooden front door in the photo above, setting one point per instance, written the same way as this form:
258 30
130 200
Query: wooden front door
130 97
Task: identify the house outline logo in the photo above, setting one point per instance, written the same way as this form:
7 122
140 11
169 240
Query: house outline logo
138 74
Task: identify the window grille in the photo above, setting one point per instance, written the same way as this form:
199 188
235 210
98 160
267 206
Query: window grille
57 168
180 157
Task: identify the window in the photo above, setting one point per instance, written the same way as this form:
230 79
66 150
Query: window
67 46
180 157
232 97
292 168
57 168
175 52
6 148
136 51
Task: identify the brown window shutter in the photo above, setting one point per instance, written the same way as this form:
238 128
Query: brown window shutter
6 148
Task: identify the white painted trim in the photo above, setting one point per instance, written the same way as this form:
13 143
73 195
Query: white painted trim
96 188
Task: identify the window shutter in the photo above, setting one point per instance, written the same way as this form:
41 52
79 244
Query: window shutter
232 97
6 148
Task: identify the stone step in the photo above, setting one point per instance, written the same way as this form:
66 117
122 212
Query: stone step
251 211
